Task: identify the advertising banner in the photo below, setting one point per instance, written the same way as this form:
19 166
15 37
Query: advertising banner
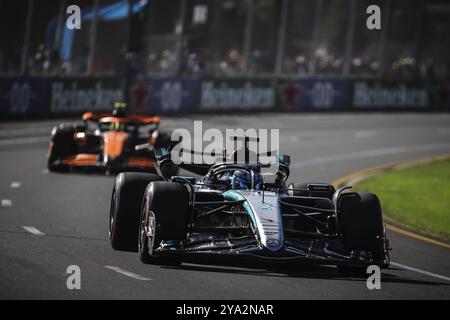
23 96
373 94
314 94
164 96
43 97
77 95
237 94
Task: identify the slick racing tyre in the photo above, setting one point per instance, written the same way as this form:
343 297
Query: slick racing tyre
62 145
361 224
126 202
301 190
165 214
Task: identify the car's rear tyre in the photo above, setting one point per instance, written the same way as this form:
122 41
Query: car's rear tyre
62 145
301 190
126 203
165 212
361 225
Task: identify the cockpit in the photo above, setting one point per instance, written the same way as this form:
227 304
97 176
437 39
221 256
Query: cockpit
229 175
234 179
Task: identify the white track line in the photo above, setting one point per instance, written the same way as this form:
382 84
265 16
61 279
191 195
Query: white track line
33 230
6 203
127 273
431 274
15 184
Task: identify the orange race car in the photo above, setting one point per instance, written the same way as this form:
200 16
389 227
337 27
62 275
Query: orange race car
110 142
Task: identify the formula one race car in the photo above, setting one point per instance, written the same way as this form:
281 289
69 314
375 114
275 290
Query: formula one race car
232 212
106 142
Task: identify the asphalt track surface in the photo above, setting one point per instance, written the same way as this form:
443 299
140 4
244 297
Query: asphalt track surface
50 221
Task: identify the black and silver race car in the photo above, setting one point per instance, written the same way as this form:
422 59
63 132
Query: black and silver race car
232 212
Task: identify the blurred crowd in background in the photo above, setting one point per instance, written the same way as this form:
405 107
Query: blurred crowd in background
227 38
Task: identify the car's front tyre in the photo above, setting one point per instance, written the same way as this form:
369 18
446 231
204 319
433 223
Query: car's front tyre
126 203
361 225
164 217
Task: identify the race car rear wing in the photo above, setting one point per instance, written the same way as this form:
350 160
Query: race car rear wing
137 118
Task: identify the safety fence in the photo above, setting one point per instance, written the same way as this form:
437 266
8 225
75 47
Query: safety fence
41 97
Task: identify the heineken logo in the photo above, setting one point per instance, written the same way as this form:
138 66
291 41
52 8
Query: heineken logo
72 98
245 95
366 95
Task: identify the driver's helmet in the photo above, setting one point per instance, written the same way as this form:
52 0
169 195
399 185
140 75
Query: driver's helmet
119 109
242 180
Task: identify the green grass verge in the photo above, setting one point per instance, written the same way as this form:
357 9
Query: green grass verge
417 198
